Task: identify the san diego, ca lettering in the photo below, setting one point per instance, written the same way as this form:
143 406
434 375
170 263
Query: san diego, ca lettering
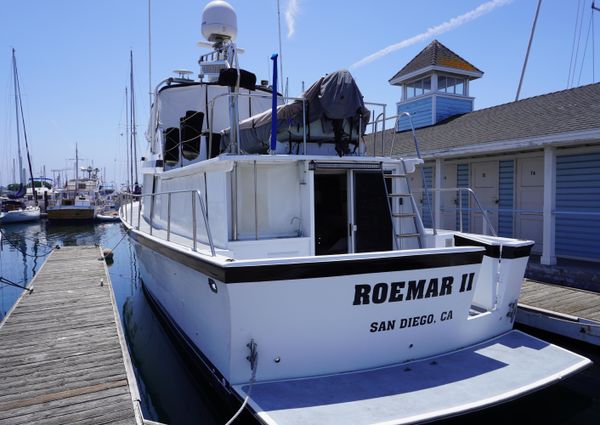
409 322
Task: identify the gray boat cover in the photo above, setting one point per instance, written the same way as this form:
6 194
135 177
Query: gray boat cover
334 111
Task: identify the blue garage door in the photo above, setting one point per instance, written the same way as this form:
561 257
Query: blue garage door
578 206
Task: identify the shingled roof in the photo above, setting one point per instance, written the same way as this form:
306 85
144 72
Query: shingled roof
566 111
435 54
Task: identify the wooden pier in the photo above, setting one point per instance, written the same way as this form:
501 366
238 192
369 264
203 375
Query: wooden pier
63 358
566 311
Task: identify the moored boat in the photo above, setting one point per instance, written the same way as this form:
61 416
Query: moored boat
15 211
297 269
78 200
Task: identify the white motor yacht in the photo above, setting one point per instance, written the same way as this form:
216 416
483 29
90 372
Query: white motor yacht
296 269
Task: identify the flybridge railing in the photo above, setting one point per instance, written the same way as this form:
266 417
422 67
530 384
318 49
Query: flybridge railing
127 213
235 122
234 115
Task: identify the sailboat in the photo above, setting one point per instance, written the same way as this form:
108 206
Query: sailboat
296 270
13 208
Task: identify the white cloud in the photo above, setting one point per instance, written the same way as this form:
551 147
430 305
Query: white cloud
290 16
455 22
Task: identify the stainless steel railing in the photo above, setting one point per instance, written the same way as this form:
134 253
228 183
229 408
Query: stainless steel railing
461 191
126 211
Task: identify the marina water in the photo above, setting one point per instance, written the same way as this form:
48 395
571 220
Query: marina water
170 393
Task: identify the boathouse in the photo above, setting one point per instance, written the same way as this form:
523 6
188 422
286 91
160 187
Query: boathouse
534 164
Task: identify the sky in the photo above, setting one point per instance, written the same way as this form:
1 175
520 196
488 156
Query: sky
73 58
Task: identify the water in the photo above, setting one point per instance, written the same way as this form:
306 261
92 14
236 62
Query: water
168 390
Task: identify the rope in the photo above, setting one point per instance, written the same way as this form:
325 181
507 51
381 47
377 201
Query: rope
120 240
253 365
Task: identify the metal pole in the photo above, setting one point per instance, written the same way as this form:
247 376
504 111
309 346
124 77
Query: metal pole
425 186
460 217
255 205
382 128
537 12
280 51
194 219
273 144
204 211
304 124
152 212
149 54
139 211
169 216
234 228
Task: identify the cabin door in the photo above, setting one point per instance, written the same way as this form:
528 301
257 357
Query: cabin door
372 227
331 213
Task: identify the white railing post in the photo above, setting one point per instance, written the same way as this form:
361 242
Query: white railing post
549 218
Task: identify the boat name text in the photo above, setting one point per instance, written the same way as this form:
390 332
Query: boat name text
409 290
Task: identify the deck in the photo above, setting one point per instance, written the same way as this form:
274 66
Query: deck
63 358
559 309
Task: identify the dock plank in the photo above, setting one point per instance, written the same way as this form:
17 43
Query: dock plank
574 302
61 354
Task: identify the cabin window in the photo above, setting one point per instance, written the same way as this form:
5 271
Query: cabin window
451 85
261 214
171 151
191 129
81 186
419 87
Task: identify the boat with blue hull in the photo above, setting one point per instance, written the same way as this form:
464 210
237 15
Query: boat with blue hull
297 270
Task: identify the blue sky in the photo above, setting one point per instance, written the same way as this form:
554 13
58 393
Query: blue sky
73 57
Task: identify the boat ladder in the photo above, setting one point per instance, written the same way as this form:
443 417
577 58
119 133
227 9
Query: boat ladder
406 222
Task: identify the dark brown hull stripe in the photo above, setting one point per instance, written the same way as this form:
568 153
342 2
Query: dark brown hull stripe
271 272
508 252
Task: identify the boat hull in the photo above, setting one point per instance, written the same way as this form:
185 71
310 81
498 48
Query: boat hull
71 214
20 216
343 321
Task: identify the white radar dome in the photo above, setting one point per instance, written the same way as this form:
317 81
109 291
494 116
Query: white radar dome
219 21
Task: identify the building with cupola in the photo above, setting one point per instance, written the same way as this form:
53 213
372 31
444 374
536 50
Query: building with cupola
434 86
534 163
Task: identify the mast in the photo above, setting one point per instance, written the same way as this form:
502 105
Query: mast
127 138
133 129
14 61
76 171
18 88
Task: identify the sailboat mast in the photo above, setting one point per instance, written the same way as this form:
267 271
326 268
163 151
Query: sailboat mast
127 138
18 86
14 60
76 170
133 129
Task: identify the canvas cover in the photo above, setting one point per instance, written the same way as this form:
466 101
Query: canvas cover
334 110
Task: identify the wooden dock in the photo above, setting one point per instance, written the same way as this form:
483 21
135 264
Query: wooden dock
562 310
63 358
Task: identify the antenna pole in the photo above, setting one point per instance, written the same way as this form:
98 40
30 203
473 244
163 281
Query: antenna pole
280 51
149 54
537 12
